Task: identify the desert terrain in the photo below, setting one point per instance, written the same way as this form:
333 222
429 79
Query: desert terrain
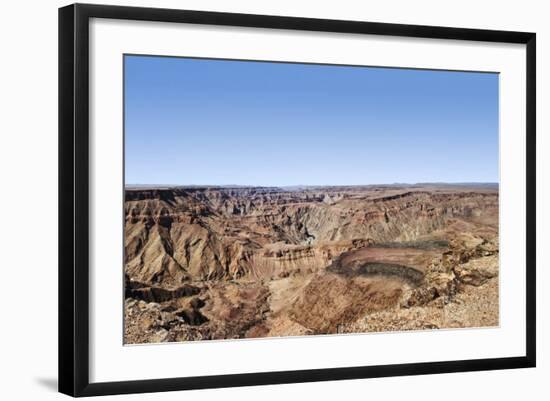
212 263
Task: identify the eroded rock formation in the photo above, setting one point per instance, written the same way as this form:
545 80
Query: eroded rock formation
212 263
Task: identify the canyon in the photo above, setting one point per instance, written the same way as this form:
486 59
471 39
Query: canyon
213 263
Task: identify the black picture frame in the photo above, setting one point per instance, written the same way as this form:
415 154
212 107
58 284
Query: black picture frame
74 191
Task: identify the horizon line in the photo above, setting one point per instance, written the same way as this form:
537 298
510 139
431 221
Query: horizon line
319 185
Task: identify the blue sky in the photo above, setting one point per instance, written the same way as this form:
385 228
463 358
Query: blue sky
221 122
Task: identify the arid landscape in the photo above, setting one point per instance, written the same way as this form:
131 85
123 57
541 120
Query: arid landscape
212 263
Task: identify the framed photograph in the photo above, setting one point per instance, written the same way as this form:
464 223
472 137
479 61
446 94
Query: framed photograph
251 199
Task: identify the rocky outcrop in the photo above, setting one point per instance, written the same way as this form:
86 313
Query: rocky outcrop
158 294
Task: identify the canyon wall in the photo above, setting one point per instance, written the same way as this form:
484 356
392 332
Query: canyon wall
177 235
